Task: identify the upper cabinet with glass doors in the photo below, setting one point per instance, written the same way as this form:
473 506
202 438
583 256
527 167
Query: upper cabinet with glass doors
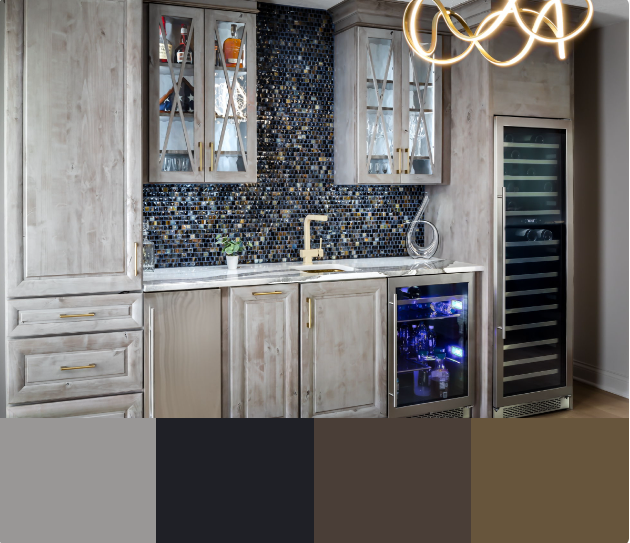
388 110
202 95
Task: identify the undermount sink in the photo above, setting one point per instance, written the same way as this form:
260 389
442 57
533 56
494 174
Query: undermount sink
323 268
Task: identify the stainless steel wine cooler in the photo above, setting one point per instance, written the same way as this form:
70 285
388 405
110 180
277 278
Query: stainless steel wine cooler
533 271
431 346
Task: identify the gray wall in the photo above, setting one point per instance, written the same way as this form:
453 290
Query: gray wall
601 208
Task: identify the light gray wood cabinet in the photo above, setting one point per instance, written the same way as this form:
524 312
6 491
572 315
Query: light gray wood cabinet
182 354
388 110
261 352
65 367
125 406
202 108
74 314
343 349
73 201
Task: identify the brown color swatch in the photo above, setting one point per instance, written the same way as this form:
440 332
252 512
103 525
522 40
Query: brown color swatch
392 480
549 480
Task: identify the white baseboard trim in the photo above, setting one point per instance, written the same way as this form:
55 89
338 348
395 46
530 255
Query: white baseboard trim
603 379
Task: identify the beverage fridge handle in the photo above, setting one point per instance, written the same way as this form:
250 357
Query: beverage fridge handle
503 206
151 365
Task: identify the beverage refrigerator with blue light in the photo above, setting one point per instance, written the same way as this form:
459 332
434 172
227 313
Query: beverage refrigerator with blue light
431 369
533 266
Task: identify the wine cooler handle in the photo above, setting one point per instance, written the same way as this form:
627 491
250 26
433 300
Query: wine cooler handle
151 365
503 207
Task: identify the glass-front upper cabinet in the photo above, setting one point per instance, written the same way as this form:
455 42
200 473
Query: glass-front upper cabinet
388 124
202 103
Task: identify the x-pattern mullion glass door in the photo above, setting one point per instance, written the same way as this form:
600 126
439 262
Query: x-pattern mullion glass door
422 115
176 103
231 68
379 71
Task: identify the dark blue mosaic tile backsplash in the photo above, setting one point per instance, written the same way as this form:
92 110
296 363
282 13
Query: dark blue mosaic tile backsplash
295 168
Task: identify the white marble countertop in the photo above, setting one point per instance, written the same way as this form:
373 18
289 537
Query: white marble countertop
193 278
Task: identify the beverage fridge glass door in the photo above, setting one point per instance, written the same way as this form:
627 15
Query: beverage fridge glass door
431 343
535 238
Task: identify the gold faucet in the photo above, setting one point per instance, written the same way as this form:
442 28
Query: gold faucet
307 253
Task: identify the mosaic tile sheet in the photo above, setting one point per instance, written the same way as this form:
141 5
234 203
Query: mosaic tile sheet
295 168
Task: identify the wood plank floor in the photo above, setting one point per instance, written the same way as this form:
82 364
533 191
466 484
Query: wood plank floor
592 403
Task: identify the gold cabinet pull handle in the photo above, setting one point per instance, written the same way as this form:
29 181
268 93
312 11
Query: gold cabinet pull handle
399 160
201 156
211 168
266 293
65 368
135 259
75 316
408 161
308 323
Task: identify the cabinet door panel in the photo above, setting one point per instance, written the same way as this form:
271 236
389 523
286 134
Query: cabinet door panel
74 192
343 351
182 354
379 104
176 119
422 116
126 406
263 354
231 116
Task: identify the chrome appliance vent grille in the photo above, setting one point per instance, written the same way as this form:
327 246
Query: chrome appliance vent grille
527 409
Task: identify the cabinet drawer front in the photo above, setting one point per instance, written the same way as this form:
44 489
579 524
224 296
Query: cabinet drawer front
44 369
126 406
74 315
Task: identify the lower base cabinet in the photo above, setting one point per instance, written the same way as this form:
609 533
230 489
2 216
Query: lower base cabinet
182 354
126 406
261 352
343 349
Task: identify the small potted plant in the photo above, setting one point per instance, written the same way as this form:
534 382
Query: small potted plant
231 248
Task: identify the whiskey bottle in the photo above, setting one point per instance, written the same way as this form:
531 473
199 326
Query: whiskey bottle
181 49
164 55
231 50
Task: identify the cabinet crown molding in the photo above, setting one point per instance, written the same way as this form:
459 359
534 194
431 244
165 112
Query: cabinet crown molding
246 6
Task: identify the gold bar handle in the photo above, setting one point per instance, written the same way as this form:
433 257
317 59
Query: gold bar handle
408 161
75 316
65 368
211 168
399 160
201 156
310 314
266 293
135 259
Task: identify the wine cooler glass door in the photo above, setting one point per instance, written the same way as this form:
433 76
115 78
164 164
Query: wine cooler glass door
176 94
431 348
532 347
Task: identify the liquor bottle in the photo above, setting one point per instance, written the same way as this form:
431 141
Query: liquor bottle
181 48
515 154
543 235
421 338
512 187
439 378
548 187
231 50
148 249
525 233
431 340
164 55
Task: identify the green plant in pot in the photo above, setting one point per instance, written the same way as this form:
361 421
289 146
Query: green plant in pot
232 248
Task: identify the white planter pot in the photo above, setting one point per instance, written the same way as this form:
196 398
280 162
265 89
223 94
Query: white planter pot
232 262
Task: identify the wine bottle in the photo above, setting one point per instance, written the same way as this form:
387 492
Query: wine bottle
181 48
231 50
